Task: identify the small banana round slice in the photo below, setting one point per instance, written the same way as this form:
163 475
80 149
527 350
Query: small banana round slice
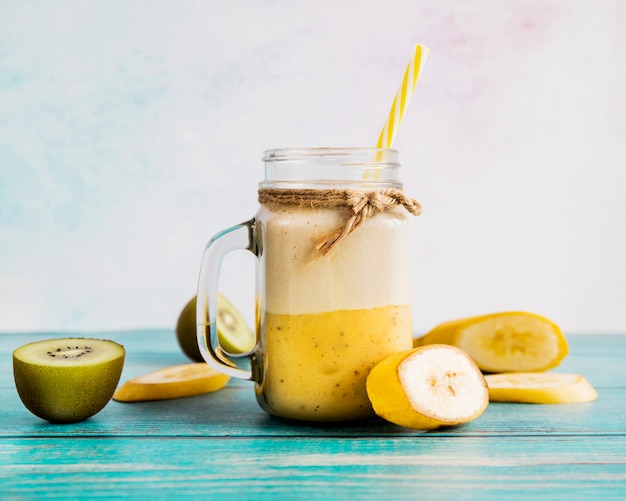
428 387
186 380
540 388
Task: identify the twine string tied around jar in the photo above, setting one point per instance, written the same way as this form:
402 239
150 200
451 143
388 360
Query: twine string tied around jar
359 206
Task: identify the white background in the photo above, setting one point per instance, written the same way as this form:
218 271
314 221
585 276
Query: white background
131 132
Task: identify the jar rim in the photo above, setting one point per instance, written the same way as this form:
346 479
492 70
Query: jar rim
352 155
334 167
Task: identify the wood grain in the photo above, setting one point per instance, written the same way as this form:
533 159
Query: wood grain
222 444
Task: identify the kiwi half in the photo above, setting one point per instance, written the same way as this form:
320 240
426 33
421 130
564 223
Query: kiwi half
69 379
234 334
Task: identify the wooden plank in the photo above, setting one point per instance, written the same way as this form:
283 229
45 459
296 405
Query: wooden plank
598 356
234 412
427 467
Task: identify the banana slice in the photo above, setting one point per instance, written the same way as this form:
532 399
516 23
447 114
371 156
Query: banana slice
428 387
540 388
504 342
186 380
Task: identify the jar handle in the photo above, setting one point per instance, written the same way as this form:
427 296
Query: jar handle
237 237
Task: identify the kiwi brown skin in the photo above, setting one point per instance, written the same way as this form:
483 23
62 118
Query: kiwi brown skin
67 380
186 331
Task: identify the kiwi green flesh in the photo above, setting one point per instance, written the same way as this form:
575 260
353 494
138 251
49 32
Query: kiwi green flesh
63 384
233 334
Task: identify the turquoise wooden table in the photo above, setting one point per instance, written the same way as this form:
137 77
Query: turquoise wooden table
221 445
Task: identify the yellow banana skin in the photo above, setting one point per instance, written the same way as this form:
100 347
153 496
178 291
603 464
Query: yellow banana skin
511 341
428 387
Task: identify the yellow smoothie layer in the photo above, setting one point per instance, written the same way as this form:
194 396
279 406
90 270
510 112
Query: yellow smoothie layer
315 365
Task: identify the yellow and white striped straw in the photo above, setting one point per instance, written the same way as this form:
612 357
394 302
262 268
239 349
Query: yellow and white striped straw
403 96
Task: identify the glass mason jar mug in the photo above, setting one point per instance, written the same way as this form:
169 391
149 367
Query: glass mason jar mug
333 281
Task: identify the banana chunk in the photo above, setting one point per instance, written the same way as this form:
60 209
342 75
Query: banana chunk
428 387
540 388
186 380
513 341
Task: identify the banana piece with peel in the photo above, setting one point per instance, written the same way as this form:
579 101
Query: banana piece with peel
540 388
512 341
428 387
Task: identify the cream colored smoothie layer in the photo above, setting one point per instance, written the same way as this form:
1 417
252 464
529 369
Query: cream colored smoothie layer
359 273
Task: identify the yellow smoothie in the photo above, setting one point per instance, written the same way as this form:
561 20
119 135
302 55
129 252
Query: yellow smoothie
323 323
316 364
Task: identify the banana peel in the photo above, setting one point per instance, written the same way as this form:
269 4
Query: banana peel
514 341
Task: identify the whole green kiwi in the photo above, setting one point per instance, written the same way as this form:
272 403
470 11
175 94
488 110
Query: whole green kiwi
67 380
